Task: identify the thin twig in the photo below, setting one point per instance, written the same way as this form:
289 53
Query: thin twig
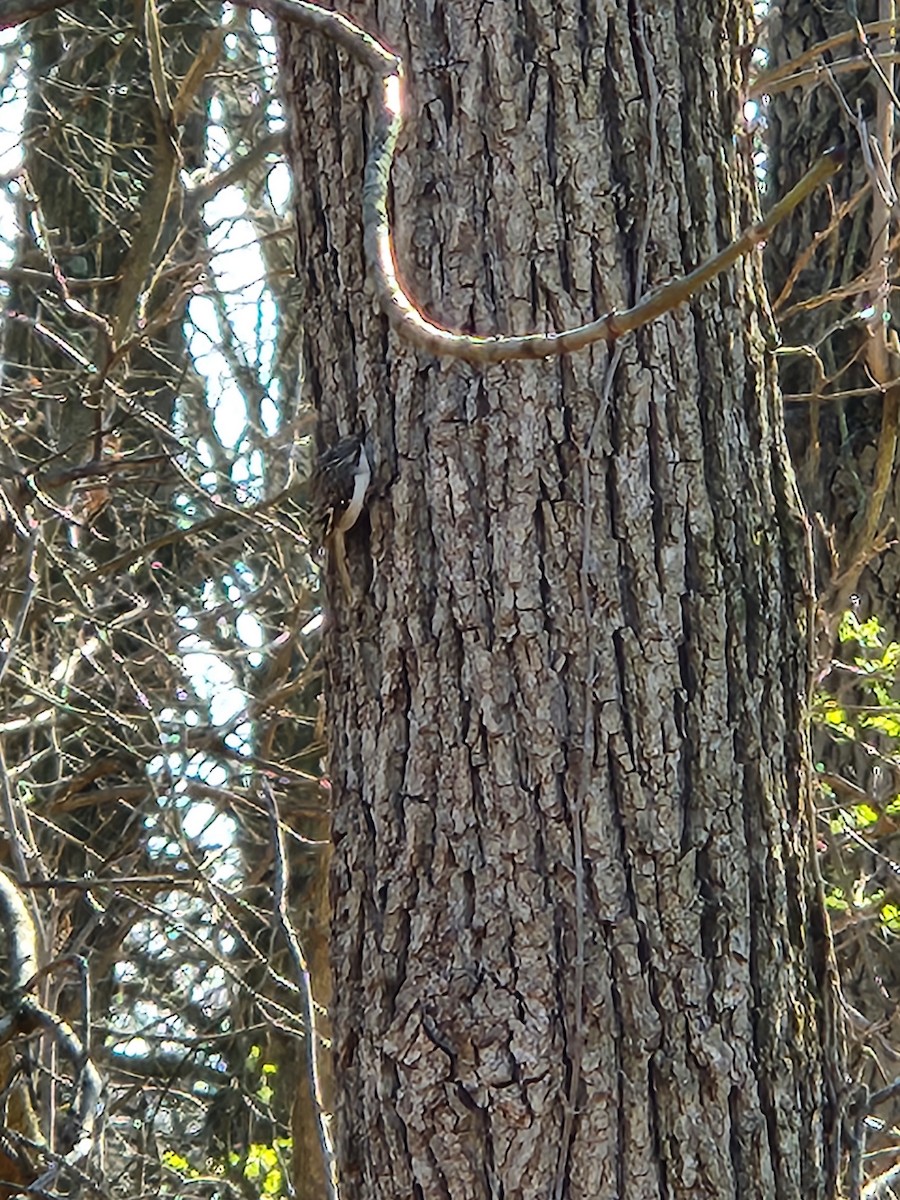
881 1184
813 75
766 83
28 587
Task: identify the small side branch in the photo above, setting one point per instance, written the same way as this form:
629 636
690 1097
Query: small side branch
412 324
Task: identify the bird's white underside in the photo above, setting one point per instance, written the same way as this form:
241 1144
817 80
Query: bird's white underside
361 478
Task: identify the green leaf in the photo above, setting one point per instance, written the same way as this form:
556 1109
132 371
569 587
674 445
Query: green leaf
864 815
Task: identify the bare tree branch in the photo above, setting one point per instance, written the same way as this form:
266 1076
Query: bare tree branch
403 313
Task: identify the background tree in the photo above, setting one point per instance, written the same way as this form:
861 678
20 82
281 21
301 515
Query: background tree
155 583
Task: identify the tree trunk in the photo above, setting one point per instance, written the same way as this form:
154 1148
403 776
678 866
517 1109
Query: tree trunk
844 450
578 944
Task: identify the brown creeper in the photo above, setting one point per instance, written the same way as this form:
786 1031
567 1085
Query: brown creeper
339 484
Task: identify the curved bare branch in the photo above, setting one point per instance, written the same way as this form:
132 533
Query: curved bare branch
403 313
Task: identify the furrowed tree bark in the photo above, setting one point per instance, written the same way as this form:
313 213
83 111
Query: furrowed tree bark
578 944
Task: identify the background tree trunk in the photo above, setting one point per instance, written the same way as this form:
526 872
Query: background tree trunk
841 426
833 441
578 945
